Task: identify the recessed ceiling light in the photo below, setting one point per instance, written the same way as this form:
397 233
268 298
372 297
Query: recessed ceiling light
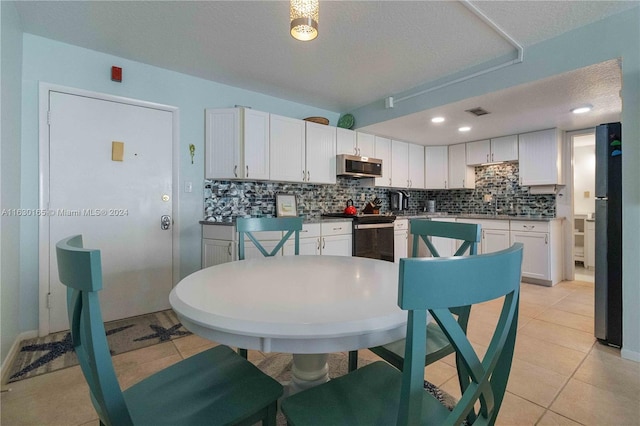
582 109
464 129
437 119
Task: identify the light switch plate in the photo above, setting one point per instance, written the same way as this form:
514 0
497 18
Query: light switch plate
117 151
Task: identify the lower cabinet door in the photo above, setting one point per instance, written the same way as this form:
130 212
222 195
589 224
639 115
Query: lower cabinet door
400 244
215 252
336 245
535 257
493 240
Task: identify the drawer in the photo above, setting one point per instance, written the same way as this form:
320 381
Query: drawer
502 225
400 224
529 226
219 232
310 230
335 228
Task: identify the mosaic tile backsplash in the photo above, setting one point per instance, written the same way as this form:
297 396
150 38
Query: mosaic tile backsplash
226 200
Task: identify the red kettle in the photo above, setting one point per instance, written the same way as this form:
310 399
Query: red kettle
350 209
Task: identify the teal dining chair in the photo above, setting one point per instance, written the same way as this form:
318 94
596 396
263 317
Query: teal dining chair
288 225
247 226
379 394
438 346
216 386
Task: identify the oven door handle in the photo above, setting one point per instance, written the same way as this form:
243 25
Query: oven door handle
373 225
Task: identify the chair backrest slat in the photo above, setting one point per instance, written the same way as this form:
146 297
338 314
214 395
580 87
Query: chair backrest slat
80 270
436 285
422 229
288 225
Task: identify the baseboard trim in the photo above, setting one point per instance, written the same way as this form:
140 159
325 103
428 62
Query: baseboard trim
15 347
631 355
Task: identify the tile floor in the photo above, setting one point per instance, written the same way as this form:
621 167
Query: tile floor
560 374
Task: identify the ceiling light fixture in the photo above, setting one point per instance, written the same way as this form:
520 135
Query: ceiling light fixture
582 109
464 129
437 119
304 19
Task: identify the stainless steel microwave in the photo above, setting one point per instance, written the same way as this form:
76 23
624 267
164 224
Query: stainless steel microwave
351 165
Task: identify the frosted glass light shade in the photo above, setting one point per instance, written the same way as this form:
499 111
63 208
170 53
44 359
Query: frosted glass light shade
304 19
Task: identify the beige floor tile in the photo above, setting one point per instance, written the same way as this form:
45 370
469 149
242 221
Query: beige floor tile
554 419
574 307
439 373
516 411
560 335
533 383
608 371
191 345
57 398
584 297
590 405
556 358
569 319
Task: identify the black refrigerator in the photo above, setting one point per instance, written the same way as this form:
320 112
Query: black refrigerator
608 250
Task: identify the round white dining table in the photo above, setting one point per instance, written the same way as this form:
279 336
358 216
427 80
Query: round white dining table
308 306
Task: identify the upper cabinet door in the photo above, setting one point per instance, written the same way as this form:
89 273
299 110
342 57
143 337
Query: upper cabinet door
460 175
416 166
399 164
478 152
436 167
383 152
346 142
320 153
222 144
504 148
366 145
256 145
540 156
287 149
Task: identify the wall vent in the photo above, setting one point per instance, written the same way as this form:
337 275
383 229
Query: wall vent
477 111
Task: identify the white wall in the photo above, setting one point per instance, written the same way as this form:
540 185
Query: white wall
584 178
10 118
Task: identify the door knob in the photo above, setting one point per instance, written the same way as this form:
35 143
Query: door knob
165 222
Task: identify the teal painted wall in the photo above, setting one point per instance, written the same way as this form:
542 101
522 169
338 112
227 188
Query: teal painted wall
10 117
58 63
615 37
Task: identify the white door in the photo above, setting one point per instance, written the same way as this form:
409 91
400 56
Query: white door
116 205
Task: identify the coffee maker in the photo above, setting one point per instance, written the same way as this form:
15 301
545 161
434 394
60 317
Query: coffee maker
399 200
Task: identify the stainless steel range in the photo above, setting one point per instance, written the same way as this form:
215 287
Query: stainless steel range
372 235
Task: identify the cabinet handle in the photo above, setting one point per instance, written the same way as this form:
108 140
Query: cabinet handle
318 241
337 229
487 157
483 234
408 183
322 243
303 175
229 249
492 156
389 181
308 176
235 170
546 239
445 184
247 171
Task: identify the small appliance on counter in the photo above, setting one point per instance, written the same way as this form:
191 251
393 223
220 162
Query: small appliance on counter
399 201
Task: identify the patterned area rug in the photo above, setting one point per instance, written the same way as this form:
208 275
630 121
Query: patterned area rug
278 366
53 352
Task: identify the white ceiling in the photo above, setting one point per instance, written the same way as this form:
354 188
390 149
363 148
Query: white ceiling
365 52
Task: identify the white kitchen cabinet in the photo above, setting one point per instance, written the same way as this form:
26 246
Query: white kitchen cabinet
336 238
504 148
236 144
309 241
542 255
407 165
320 153
287 149
461 176
400 239
492 150
436 167
218 244
383 152
540 157
399 164
366 144
416 166
494 234
354 143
